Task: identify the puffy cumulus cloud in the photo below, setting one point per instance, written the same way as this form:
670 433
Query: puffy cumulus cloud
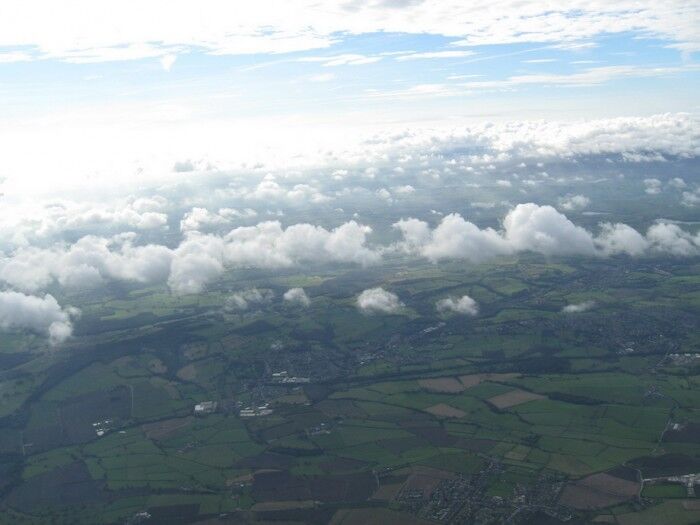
406 189
269 189
671 239
574 202
541 229
198 219
462 305
249 298
297 296
86 263
375 300
691 198
453 238
652 186
527 227
269 245
42 315
197 261
202 258
620 238
677 182
578 307
415 234
385 195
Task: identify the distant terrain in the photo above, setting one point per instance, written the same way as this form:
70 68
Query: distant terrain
325 414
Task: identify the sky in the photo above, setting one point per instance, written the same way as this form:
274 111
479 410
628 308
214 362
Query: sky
102 91
165 142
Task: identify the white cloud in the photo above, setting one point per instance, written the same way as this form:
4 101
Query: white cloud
348 59
665 134
197 261
269 245
42 315
677 182
574 202
270 190
167 61
436 54
404 190
589 77
652 186
578 308
45 221
461 305
249 298
80 30
297 296
671 239
527 227
690 198
323 77
184 166
453 238
199 219
280 145
86 263
385 195
378 300
202 257
15 56
621 239
542 229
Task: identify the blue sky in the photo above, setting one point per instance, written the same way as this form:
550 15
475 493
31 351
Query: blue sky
377 72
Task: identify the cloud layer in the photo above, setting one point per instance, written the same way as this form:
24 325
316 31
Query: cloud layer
201 258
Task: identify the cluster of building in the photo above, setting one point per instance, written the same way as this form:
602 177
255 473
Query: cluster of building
466 499
205 407
684 359
102 427
284 378
687 480
256 411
